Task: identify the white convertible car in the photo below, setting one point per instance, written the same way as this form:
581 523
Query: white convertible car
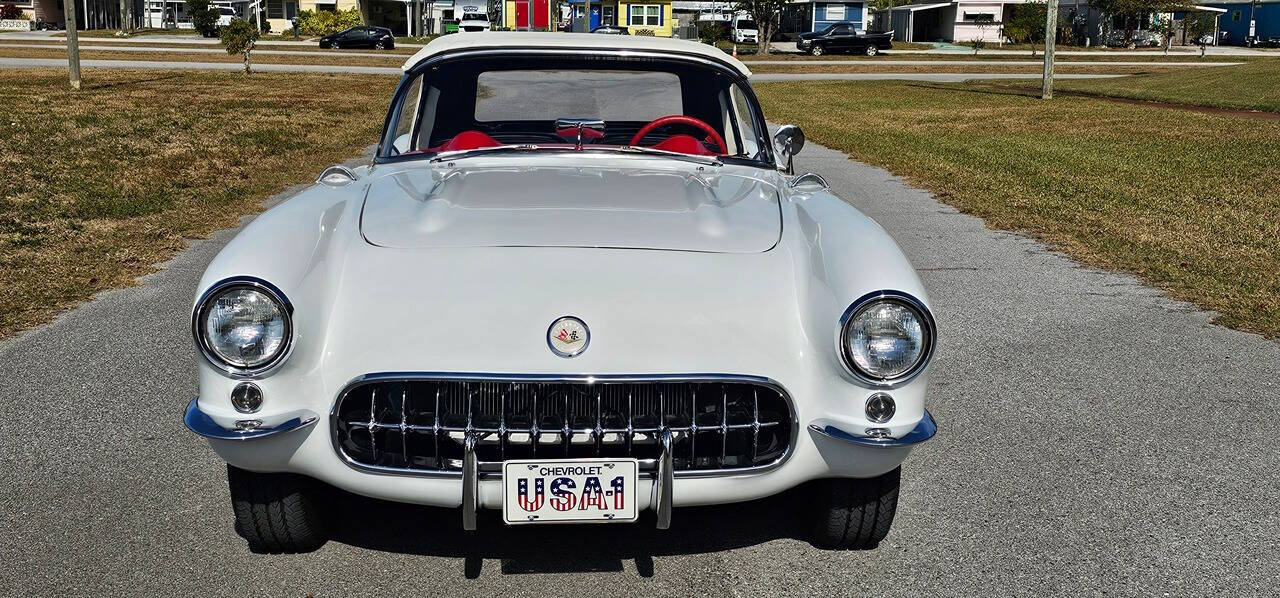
578 283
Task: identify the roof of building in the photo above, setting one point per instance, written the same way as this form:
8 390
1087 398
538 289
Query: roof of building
578 41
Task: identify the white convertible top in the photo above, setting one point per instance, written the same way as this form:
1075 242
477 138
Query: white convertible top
588 41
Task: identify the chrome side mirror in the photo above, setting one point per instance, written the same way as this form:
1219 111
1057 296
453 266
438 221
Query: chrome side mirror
788 142
579 129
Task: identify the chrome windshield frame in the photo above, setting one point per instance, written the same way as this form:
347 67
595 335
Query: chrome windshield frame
382 155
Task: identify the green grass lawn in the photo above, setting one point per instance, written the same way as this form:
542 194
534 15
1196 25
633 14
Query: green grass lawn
1188 201
1254 85
101 185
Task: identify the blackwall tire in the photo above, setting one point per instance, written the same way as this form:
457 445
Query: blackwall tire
278 512
854 514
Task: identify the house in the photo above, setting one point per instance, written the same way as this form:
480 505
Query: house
957 20
642 17
516 13
1234 24
803 16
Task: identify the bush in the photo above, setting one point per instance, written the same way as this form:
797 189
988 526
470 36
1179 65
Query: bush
711 32
204 17
239 38
323 22
10 12
266 26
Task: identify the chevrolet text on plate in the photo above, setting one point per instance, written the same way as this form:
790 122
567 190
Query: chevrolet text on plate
578 282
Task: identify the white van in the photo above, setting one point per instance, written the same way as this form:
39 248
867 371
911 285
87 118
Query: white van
745 31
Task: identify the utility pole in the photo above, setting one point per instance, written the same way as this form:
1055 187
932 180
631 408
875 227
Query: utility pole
73 44
1050 37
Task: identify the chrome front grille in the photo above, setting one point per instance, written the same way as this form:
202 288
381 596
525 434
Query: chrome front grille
418 423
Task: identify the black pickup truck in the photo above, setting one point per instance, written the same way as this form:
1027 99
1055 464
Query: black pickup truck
843 37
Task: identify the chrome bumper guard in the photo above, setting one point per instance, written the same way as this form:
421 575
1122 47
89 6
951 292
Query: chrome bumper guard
247 429
471 483
922 432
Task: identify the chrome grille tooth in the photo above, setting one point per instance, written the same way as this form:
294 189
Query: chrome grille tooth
693 428
373 421
599 436
724 423
755 425
435 429
404 426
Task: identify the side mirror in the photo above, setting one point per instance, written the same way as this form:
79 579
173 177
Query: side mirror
788 142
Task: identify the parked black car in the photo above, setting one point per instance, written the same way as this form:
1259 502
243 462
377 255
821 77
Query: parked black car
363 36
611 30
843 37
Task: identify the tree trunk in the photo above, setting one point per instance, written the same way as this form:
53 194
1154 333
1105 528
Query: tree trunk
766 32
73 44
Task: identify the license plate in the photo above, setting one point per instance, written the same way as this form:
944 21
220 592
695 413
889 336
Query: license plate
578 490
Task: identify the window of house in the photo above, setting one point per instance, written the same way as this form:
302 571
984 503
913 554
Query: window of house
290 10
275 9
329 6
835 12
1235 16
608 16
979 16
646 14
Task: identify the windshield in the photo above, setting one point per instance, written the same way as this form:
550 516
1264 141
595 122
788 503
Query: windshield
746 24
531 105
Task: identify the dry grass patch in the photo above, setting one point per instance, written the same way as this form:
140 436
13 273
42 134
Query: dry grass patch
1183 199
103 184
942 67
256 57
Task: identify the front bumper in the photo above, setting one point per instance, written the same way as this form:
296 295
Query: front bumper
291 442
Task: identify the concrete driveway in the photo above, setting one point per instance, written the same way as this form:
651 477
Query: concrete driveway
1096 438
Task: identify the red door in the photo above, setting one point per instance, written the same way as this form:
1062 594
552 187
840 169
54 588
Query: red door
541 13
522 13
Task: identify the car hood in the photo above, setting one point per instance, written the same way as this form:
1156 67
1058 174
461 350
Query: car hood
552 205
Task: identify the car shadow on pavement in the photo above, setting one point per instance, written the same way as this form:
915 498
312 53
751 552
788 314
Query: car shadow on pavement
411 529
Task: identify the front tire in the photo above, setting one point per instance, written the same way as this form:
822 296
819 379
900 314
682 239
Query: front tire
855 514
277 512
872 50
816 50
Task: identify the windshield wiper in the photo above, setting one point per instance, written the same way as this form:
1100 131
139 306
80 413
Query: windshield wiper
524 147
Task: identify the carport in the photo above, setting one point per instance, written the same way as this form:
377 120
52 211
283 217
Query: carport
920 22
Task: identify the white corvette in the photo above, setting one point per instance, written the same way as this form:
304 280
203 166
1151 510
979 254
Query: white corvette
578 283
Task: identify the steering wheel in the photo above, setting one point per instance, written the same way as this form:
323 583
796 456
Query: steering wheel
680 119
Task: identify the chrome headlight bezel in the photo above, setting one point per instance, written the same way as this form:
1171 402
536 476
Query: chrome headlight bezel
842 337
198 316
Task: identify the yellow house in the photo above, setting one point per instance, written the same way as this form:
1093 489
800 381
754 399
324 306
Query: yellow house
282 12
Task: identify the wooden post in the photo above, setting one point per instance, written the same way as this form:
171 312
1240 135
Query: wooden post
73 43
1050 37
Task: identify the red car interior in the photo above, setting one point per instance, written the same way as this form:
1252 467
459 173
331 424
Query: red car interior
679 142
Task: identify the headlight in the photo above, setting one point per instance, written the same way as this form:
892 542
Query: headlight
886 337
243 326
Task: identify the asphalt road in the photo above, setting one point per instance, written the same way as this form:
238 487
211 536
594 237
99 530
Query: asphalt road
1096 438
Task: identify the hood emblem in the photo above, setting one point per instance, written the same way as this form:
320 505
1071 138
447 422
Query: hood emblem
568 336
